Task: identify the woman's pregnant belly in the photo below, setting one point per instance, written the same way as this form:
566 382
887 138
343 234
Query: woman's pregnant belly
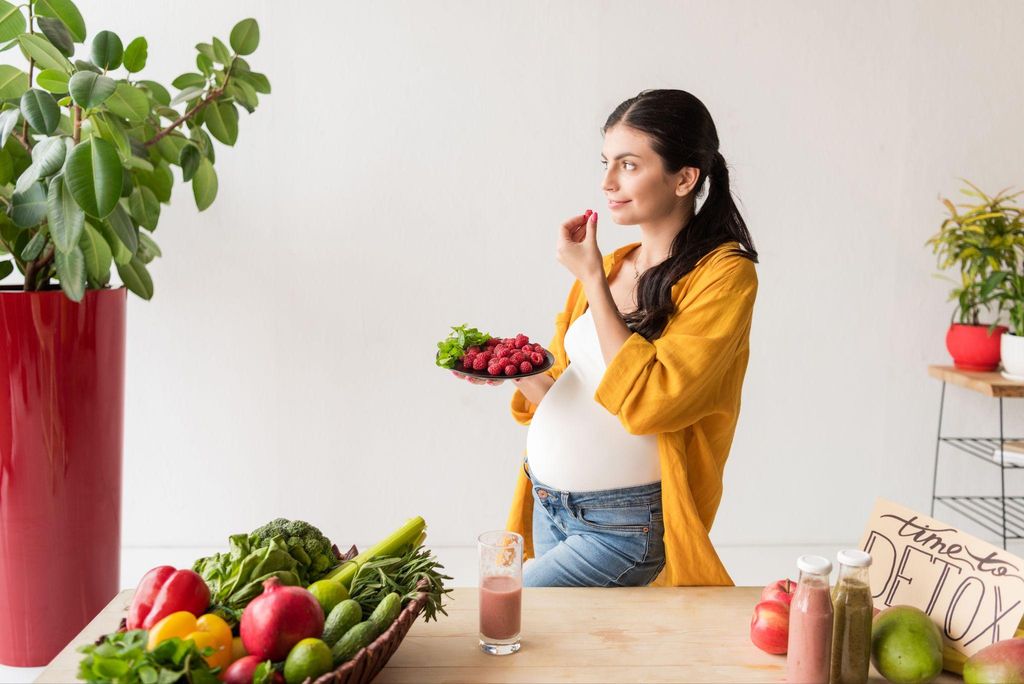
574 444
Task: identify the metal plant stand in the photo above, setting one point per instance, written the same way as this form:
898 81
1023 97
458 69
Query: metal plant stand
1001 515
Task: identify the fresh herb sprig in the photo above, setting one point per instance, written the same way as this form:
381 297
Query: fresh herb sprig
122 658
402 575
454 347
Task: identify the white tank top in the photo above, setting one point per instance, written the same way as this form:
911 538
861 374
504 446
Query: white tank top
574 443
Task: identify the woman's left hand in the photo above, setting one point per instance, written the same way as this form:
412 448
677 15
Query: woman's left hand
577 247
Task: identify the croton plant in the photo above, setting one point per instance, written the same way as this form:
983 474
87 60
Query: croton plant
87 145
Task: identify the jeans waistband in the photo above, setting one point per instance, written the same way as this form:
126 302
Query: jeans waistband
639 493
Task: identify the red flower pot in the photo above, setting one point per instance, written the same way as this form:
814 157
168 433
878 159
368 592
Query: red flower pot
61 424
973 348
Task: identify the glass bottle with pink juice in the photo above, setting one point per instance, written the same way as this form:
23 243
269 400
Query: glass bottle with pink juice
809 653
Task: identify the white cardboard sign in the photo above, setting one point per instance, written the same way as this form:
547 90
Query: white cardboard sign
972 590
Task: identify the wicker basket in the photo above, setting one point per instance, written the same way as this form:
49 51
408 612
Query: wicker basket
370 660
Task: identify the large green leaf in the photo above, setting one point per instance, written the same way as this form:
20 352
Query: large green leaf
48 155
258 81
148 249
160 180
6 269
12 21
8 120
34 247
66 11
121 223
40 110
27 178
120 253
244 94
94 175
13 81
58 34
136 278
53 80
129 102
71 273
221 55
204 184
145 208
187 94
89 89
189 80
107 50
43 52
222 122
97 255
189 161
110 129
245 36
29 208
157 92
135 55
65 217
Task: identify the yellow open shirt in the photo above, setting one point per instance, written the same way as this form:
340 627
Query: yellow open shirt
684 387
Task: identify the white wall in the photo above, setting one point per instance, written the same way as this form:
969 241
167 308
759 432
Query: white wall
412 165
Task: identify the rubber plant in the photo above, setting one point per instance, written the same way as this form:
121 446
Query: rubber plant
982 240
87 146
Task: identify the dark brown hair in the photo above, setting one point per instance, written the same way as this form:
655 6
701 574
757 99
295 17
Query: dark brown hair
682 132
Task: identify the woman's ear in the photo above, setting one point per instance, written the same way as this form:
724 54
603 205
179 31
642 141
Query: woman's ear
686 180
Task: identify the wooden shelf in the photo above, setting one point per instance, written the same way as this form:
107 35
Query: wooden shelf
989 384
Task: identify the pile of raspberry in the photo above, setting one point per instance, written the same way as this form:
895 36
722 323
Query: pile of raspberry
505 356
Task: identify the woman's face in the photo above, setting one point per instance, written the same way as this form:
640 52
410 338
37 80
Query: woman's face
635 176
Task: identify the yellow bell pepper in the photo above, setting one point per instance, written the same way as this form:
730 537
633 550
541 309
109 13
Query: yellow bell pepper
206 630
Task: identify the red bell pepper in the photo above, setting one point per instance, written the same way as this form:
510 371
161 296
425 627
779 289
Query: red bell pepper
164 590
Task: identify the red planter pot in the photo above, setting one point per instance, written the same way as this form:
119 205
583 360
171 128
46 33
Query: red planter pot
61 435
973 348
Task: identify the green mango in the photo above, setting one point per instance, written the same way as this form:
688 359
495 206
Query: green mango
906 646
1000 663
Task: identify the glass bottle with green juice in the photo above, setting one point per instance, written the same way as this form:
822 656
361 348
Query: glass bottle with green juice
852 614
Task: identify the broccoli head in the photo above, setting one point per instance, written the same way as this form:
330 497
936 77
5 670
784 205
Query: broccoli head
310 547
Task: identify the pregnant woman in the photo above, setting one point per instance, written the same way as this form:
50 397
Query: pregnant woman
630 429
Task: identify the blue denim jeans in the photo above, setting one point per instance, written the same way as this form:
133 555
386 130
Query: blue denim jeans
608 538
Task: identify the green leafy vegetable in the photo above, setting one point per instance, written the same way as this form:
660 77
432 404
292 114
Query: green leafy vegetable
295 552
454 347
122 658
402 575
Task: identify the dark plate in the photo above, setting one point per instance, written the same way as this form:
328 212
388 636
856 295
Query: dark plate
489 379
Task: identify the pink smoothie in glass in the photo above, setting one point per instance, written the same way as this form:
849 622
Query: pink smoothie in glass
810 635
501 600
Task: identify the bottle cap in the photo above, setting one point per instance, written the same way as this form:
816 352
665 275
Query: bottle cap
854 558
814 564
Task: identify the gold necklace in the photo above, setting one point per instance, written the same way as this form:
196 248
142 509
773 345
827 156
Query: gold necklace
636 260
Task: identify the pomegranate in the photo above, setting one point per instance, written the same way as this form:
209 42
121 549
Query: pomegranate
279 618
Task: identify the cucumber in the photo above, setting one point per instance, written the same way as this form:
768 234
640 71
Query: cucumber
386 611
356 638
343 617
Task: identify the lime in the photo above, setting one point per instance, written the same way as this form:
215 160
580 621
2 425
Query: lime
329 593
308 658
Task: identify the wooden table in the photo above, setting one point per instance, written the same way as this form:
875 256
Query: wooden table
679 634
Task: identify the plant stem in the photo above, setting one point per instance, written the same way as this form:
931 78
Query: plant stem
211 96
76 115
36 268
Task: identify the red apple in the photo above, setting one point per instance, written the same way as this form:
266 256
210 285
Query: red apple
781 591
769 627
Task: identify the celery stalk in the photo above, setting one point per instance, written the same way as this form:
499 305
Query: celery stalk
393 545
